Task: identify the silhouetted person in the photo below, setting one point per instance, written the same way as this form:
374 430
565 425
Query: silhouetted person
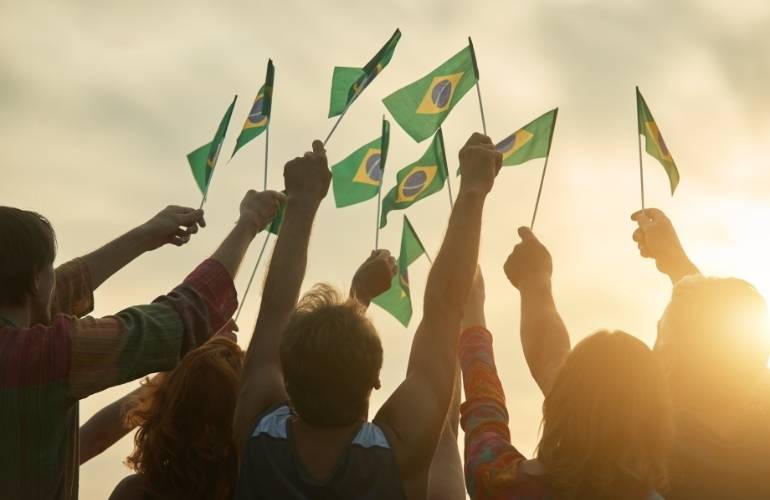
310 368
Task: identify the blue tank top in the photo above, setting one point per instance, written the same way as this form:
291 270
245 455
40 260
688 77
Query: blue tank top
272 470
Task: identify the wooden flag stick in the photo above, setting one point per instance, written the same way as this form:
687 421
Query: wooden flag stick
377 222
347 106
481 108
641 169
539 192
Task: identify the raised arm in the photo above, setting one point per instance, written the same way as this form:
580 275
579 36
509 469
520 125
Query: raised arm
172 225
307 182
373 276
446 471
544 338
414 415
657 239
151 338
107 426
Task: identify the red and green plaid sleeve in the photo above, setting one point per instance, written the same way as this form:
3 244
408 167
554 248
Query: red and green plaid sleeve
74 294
491 462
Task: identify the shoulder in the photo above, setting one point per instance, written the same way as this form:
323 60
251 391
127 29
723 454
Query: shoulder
130 488
273 422
38 354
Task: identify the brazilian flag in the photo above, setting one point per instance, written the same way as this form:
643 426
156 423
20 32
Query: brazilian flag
358 177
654 143
397 299
259 115
531 141
203 160
348 83
418 180
421 107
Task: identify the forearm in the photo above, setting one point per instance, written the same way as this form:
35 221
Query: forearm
231 251
681 268
284 276
447 288
115 255
107 426
544 337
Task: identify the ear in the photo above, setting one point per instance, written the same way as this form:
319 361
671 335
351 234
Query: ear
377 385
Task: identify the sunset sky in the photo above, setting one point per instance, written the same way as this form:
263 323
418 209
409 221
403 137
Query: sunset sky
100 103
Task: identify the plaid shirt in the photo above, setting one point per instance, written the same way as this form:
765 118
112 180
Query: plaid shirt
46 370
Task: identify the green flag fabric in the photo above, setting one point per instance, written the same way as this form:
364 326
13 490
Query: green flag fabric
397 299
348 83
259 115
203 160
358 177
417 180
654 143
531 141
421 107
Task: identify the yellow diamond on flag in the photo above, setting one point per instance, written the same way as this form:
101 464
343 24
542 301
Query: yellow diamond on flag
256 118
415 183
370 169
514 142
654 134
439 95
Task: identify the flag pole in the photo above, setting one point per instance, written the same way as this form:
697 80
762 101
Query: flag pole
264 245
481 108
446 168
342 115
639 143
545 167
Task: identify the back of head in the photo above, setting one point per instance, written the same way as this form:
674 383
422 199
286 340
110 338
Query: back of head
331 358
184 445
607 421
714 334
27 246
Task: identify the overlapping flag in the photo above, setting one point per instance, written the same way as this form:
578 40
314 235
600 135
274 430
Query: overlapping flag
203 160
421 107
397 299
417 180
259 115
357 178
348 83
654 143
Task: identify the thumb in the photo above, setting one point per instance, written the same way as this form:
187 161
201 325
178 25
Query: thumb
318 147
526 234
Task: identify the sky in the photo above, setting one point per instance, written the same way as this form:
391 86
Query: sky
100 103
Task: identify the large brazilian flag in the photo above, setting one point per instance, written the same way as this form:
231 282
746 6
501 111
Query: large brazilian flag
421 107
417 180
259 115
397 299
203 160
358 177
348 83
654 143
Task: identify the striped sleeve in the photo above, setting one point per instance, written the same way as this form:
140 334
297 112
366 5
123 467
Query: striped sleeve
74 294
491 462
149 338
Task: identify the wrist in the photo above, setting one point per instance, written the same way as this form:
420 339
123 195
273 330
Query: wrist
303 202
141 239
249 226
537 281
472 194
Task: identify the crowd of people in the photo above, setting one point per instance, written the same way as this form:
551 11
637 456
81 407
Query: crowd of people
289 417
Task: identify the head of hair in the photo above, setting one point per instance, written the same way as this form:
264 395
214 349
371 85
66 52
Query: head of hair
331 357
184 447
607 422
714 334
27 246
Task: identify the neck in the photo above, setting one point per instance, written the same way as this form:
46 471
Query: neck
18 316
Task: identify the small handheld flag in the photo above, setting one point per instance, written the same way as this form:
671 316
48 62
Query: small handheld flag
203 160
258 119
358 177
348 83
654 144
417 180
397 299
421 107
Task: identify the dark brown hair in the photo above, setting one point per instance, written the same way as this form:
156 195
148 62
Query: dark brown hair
331 358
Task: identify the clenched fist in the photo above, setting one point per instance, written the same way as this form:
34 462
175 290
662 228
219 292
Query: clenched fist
259 208
479 164
308 176
529 260
374 276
